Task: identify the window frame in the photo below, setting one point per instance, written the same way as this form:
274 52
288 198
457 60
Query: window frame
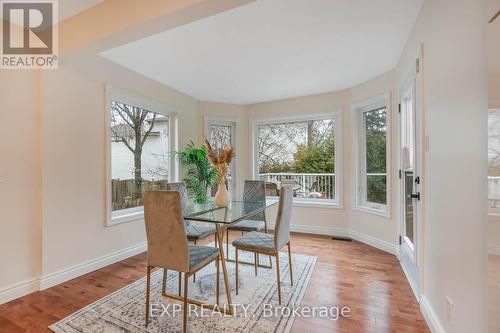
117 94
305 202
359 155
493 212
233 123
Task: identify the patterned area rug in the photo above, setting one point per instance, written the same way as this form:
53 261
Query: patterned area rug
256 305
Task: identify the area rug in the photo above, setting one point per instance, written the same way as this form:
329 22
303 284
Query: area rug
256 305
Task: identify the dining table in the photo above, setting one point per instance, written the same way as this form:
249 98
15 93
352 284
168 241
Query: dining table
222 218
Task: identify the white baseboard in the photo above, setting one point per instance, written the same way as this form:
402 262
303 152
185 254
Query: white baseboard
375 242
430 316
494 249
337 232
64 275
344 232
19 290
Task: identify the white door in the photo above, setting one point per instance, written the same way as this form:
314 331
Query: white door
410 177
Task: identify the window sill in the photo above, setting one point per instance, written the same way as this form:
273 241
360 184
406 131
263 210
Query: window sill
126 216
369 210
495 215
320 203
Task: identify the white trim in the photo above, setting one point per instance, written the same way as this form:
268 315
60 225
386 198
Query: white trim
316 230
127 215
124 96
430 316
375 242
413 287
494 249
19 289
52 279
369 210
346 233
358 152
339 158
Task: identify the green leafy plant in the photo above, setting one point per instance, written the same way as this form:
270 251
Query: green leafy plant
200 175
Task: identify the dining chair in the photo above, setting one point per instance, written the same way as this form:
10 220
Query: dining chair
168 246
253 191
258 242
194 231
271 189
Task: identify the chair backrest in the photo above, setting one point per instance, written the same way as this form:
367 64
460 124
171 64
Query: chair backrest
271 189
282 226
255 191
167 241
181 188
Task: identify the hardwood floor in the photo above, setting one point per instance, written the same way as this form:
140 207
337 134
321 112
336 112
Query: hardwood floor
494 293
352 274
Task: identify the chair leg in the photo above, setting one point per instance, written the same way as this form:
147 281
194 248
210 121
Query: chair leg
290 263
217 285
184 320
164 282
194 275
180 283
227 241
236 266
278 276
265 222
148 289
256 258
266 230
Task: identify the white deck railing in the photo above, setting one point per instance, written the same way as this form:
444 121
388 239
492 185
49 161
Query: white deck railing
306 185
494 192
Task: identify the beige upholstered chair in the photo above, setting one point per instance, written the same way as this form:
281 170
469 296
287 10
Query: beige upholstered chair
263 243
254 190
194 231
168 246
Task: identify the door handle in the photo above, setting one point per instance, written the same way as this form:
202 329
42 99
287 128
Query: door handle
415 196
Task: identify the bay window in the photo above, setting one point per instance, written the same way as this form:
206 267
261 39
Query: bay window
371 154
301 152
139 159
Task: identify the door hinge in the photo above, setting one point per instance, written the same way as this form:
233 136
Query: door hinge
400 240
399 108
400 174
417 65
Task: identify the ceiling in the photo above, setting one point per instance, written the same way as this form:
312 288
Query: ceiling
68 8
275 49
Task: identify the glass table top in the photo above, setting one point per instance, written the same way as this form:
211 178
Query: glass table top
236 211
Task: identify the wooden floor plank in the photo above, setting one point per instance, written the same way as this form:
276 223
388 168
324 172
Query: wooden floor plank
369 281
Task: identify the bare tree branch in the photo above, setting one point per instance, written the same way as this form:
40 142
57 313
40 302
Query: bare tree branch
149 130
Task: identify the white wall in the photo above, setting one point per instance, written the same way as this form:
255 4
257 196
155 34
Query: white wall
20 183
493 38
378 230
73 108
326 220
453 33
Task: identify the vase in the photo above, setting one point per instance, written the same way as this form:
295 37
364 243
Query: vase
222 196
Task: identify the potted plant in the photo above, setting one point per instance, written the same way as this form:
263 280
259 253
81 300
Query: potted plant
201 175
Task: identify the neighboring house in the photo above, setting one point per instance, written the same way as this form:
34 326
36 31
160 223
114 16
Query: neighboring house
155 153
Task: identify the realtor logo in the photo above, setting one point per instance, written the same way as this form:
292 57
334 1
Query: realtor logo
29 37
